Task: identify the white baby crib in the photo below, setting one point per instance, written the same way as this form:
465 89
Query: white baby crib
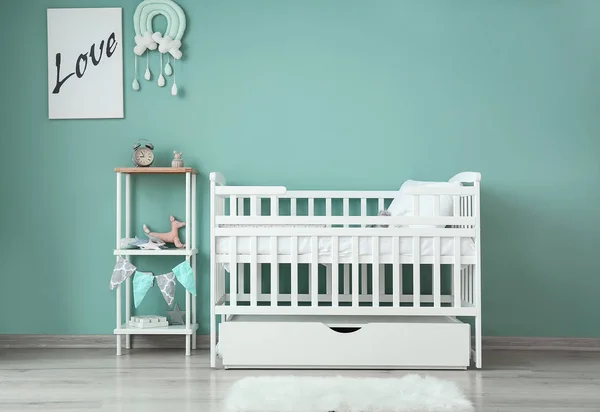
321 279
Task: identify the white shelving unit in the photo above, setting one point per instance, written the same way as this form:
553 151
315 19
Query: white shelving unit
190 251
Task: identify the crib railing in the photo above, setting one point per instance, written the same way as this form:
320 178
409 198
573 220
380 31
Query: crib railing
322 282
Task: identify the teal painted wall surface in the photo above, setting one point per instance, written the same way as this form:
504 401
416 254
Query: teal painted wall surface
319 94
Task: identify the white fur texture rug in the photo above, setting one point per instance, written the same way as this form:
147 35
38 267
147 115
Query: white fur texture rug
411 393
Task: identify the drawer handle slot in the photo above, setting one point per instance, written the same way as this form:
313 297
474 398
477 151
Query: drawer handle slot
349 329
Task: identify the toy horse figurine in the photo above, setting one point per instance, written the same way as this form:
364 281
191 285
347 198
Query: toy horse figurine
169 237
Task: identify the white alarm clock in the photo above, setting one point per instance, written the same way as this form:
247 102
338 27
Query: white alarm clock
143 155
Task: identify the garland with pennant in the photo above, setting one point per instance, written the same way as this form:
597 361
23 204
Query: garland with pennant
143 281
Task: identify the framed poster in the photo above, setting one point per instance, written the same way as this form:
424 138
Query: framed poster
85 63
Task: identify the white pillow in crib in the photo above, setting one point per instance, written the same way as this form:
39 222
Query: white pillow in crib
403 204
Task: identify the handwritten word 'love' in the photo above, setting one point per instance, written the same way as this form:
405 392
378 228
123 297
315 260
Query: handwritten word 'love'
96 57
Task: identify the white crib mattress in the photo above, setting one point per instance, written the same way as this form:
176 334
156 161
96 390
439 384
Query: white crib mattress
345 246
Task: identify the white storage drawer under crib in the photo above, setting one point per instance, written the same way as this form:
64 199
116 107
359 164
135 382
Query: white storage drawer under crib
344 342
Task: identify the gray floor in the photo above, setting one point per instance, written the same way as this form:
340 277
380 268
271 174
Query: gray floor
165 380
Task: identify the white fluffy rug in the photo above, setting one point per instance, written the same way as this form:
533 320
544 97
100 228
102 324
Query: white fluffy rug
411 393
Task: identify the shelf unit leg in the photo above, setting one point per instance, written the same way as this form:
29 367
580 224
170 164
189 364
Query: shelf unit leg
128 310
188 308
128 234
194 320
119 346
118 241
193 230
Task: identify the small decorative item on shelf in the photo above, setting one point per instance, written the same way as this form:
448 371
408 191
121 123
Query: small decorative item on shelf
177 162
143 155
168 237
148 321
152 243
176 315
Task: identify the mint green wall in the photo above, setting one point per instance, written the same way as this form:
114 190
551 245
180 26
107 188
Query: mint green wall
320 94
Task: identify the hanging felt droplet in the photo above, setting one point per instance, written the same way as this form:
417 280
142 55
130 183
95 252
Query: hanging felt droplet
174 89
147 75
161 78
168 69
135 85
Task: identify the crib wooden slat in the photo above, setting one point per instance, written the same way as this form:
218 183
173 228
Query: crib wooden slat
471 271
472 278
293 207
456 273
469 207
241 281
363 208
355 247
328 280
311 206
233 288
294 270
253 206
240 206
465 274
363 278
346 206
314 271
274 206
396 271
463 285
375 266
274 273
416 271
401 286
437 275
328 208
346 279
335 287
253 272
380 204
233 205
382 273
261 274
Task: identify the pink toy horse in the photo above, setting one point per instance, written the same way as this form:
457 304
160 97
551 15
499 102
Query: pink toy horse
168 237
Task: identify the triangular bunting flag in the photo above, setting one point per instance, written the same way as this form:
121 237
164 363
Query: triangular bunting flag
166 284
122 270
142 282
185 276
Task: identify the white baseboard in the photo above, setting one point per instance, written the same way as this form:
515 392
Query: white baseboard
174 341
540 343
97 341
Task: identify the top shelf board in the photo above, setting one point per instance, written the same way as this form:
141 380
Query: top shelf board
156 170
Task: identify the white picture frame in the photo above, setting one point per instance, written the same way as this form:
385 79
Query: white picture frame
85 63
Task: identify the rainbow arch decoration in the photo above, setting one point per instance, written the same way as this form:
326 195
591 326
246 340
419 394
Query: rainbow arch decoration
167 43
